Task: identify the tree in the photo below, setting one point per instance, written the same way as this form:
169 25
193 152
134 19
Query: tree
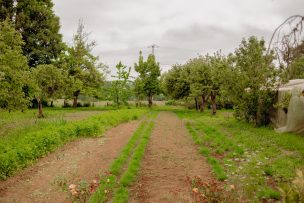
252 81
50 82
13 69
200 79
119 86
176 84
219 68
295 70
6 9
82 66
39 27
138 91
149 72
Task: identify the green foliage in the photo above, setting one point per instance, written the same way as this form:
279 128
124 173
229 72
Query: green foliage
295 191
14 75
82 66
6 9
177 86
149 72
252 81
18 152
200 78
269 193
39 27
284 103
50 82
295 70
120 88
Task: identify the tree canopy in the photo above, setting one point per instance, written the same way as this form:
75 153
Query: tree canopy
14 75
149 72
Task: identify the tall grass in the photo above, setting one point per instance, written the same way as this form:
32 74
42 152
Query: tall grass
19 151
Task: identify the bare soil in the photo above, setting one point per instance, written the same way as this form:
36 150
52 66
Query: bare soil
170 158
83 159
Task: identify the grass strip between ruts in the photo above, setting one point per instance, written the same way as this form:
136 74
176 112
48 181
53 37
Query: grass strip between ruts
110 185
215 165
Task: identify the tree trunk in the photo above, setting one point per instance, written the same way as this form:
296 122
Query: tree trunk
150 101
40 112
75 101
196 105
203 103
52 103
117 102
213 103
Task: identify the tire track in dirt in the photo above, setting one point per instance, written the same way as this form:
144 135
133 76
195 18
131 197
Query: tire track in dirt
83 159
171 157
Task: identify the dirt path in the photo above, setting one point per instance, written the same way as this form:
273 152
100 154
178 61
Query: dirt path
171 156
80 160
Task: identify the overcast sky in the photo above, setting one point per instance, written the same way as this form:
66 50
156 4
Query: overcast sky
181 28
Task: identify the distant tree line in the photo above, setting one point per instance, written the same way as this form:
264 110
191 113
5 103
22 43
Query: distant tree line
247 79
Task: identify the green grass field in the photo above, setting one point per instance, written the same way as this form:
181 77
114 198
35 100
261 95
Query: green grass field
255 160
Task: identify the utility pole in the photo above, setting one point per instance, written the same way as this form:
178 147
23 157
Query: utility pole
153 46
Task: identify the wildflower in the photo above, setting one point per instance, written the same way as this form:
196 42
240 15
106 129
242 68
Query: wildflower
72 186
74 192
195 190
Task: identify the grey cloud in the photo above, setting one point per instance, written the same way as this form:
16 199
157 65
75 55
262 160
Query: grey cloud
182 29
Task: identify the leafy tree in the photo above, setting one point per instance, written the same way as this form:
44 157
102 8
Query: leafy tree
39 27
252 80
6 9
138 89
50 82
295 70
82 67
149 72
13 69
119 86
176 84
200 79
219 68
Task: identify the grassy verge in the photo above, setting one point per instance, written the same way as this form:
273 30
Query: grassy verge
17 152
115 184
255 160
210 147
